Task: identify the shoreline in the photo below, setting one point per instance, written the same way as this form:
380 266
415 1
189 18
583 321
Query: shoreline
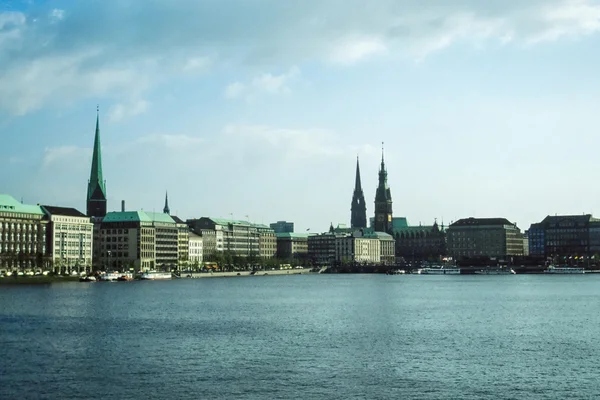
202 275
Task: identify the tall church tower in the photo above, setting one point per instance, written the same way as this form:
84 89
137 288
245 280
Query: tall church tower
383 202
96 193
358 218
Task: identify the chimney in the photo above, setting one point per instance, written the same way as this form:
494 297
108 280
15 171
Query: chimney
122 205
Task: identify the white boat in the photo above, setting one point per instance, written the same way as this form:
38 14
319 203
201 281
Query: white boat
564 270
496 271
154 275
439 271
109 276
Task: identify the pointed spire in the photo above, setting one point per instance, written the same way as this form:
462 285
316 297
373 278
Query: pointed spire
166 209
96 194
357 185
382 161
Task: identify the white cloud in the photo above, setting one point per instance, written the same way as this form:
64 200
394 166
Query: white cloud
120 111
265 83
63 56
356 50
53 155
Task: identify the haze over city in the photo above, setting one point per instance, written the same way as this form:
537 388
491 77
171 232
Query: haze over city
258 109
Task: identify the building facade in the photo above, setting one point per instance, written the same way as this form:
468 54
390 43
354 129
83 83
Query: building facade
183 242
22 236
420 243
292 246
321 248
537 240
195 251
484 237
358 209
69 239
282 227
267 241
359 249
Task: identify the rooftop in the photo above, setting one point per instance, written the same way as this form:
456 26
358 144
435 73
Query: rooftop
10 204
292 235
65 211
481 222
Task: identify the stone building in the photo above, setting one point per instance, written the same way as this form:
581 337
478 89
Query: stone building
321 248
292 246
383 203
195 250
22 236
267 241
69 239
358 248
484 237
96 192
421 242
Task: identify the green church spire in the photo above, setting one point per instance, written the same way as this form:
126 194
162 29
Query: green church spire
96 194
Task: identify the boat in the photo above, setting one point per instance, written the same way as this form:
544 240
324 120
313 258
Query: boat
495 271
87 278
439 271
154 275
564 270
396 272
109 276
126 276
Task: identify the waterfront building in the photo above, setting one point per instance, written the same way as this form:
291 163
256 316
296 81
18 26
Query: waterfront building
484 237
383 202
22 236
594 229
96 190
183 242
568 236
526 243
358 248
69 239
387 245
267 241
321 248
292 246
238 238
138 240
358 210
536 240
282 227
195 250
421 242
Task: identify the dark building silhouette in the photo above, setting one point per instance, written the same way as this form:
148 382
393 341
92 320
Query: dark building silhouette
358 218
166 209
383 202
96 192
420 243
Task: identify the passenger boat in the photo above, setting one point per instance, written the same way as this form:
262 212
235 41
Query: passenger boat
496 271
87 278
396 272
564 270
154 275
439 271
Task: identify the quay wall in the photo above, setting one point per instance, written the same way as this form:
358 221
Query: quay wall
245 273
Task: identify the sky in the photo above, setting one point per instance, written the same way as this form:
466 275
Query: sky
257 109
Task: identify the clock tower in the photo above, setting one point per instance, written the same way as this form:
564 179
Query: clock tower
383 202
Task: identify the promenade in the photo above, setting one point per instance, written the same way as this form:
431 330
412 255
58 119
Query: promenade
246 273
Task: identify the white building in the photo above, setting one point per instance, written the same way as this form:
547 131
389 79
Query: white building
358 249
70 239
195 250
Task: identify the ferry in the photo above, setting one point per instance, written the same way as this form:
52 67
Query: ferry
125 276
439 271
496 271
154 275
564 270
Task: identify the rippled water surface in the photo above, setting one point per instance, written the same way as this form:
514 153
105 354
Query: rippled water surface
309 337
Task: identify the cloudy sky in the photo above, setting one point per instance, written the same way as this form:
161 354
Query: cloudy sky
258 108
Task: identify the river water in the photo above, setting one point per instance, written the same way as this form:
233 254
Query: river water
304 337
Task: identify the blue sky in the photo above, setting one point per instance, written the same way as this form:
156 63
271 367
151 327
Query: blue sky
258 108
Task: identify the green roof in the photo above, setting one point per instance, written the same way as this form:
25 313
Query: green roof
10 204
137 216
159 217
126 216
399 223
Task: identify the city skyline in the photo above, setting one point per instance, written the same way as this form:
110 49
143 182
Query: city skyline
486 110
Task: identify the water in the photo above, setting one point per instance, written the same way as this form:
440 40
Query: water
309 337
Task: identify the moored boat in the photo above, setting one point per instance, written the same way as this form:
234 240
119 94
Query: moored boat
87 278
109 276
126 276
154 275
564 270
439 271
496 271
